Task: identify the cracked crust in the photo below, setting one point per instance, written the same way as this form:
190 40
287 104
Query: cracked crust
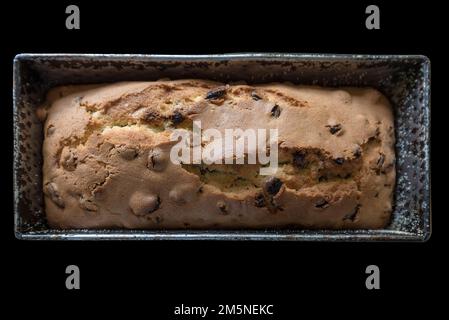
106 157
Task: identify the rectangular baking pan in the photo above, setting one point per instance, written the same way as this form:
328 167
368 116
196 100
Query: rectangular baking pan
404 79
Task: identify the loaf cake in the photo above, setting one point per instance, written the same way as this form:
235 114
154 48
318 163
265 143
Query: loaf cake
107 157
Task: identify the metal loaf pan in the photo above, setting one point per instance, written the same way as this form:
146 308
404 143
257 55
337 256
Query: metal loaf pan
405 80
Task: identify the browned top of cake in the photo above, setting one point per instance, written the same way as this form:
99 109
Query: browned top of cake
106 157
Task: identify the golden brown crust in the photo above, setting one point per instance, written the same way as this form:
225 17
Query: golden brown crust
106 162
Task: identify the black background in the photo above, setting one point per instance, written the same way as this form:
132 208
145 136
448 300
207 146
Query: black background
149 278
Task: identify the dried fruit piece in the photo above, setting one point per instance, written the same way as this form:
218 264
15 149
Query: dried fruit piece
377 167
275 111
255 96
216 93
50 130
222 207
353 214
380 160
273 185
299 159
322 178
357 152
259 200
339 160
377 133
51 190
158 219
333 129
177 117
322 204
88 204
203 170
157 160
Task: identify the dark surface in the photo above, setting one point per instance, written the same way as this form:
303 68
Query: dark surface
147 278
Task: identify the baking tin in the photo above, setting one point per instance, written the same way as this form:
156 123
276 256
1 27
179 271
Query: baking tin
404 79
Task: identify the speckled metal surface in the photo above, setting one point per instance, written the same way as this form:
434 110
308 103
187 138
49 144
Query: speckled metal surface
405 80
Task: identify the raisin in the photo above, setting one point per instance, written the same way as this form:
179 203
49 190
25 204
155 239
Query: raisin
222 207
322 178
322 204
357 152
259 200
203 170
273 185
216 93
377 133
255 96
157 160
88 204
177 117
275 111
51 190
381 160
156 206
50 130
339 161
334 129
353 214
299 159
158 219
